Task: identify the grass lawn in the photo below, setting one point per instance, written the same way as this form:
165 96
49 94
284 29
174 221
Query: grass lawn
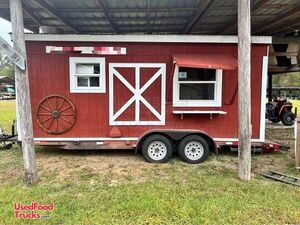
296 103
118 187
7 114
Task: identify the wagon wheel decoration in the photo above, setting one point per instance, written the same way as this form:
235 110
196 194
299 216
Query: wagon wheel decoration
55 114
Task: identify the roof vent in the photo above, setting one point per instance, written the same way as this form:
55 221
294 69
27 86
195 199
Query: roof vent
50 30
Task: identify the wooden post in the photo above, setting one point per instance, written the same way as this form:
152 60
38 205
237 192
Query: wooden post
297 144
244 91
23 95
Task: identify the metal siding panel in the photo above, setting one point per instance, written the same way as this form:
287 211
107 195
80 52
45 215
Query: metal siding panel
49 74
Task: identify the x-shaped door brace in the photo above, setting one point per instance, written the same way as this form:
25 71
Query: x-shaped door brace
137 92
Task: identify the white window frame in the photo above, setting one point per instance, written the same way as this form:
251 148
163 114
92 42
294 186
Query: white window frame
217 102
73 76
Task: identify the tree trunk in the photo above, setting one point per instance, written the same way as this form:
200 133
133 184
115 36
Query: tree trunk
23 95
244 91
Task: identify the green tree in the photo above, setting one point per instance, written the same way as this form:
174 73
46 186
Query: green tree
287 80
6 67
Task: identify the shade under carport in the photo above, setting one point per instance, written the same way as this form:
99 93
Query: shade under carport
224 62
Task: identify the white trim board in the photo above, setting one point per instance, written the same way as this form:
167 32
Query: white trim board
146 38
264 79
87 139
119 139
198 112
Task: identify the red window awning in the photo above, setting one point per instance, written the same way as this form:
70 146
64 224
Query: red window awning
223 62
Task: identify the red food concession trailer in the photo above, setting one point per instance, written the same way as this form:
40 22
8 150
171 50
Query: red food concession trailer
154 93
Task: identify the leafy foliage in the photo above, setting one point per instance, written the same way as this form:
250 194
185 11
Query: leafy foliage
287 80
6 67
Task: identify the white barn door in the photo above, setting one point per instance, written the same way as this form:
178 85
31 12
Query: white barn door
136 90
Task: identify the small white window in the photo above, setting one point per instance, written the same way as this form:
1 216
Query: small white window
197 87
87 75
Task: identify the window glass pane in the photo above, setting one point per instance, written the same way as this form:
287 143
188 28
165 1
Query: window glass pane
86 68
94 82
10 89
196 74
196 91
82 81
97 69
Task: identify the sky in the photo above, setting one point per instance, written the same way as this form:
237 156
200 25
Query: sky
5 28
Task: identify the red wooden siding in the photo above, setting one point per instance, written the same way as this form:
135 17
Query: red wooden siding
49 74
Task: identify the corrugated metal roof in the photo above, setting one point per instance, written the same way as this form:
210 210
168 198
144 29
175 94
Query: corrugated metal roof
269 17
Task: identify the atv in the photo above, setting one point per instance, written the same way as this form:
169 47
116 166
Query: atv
281 110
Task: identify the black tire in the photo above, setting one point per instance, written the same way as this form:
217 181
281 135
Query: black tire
162 149
275 120
200 150
288 118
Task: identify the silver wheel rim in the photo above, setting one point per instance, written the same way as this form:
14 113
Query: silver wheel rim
193 150
157 150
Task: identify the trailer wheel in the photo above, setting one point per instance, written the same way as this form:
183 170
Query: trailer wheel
275 120
193 149
157 149
288 118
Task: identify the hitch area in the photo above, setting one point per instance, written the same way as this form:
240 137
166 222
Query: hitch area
6 140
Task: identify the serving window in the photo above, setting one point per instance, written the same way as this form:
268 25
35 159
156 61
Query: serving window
87 75
193 87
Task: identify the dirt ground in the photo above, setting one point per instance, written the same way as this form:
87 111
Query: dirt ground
123 165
